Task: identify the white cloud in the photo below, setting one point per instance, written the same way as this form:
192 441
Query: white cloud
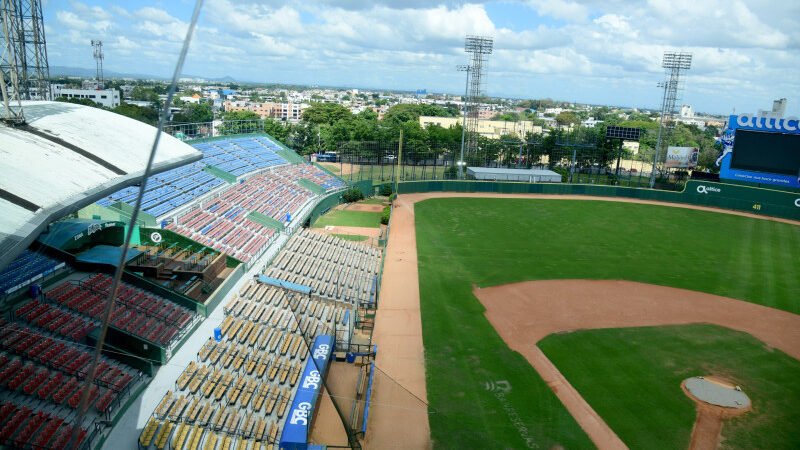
154 15
609 49
560 9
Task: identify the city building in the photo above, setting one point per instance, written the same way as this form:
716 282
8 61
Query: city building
493 129
108 98
591 122
286 112
779 108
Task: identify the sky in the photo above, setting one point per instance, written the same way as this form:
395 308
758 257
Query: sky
745 53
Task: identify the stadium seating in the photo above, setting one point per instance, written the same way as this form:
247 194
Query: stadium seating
239 389
168 190
137 311
56 320
26 268
334 268
222 222
43 376
43 363
238 156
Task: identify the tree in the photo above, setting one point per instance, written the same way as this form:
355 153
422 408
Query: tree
326 113
276 129
237 122
79 101
566 118
405 113
142 93
194 113
140 113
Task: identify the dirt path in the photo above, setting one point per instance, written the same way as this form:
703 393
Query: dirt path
398 333
524 313
366 207
398 417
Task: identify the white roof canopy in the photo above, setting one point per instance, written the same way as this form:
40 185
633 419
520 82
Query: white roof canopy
66 157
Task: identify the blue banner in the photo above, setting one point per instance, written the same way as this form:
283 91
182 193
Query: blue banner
789 125
295 430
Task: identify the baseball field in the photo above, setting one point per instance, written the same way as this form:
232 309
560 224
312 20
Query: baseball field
483 387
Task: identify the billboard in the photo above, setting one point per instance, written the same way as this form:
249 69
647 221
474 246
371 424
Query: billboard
682 157
759 149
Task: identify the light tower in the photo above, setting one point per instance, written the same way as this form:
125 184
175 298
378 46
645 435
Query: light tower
467 69
674 63
24 70
97 47
479 47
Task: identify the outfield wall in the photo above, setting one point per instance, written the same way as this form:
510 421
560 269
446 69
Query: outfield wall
760 201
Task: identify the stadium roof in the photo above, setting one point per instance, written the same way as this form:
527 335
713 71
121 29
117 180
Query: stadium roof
67 156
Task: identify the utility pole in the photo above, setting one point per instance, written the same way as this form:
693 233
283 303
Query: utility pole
399 162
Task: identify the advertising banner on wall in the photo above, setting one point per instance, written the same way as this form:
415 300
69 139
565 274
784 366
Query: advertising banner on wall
682 157
763 150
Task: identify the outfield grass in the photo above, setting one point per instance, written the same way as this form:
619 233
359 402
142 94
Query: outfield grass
343 218
498 241
632 377
485 242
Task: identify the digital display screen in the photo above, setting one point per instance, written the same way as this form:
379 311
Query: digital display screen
766 152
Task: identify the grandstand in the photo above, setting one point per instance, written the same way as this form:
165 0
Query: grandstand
44 356
224 161
239 389
242 155
227 223
169 190
137 312
275 334
334 268
195 271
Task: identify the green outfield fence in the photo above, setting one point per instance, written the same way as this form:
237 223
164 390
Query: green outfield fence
760 201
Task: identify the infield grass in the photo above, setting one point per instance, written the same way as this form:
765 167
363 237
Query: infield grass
487 242
344 218
632 378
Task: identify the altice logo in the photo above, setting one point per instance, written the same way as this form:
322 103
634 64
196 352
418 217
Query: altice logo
769 123
702 189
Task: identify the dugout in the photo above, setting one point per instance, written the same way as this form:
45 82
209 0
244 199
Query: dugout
520 175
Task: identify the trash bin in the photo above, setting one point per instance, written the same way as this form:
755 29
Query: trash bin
351 357
217 334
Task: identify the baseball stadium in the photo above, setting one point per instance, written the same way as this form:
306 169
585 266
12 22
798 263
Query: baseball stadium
205 286
233 295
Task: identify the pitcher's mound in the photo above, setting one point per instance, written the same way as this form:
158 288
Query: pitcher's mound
717 392
716 400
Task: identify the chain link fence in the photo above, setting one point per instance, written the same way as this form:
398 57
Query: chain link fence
581 163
